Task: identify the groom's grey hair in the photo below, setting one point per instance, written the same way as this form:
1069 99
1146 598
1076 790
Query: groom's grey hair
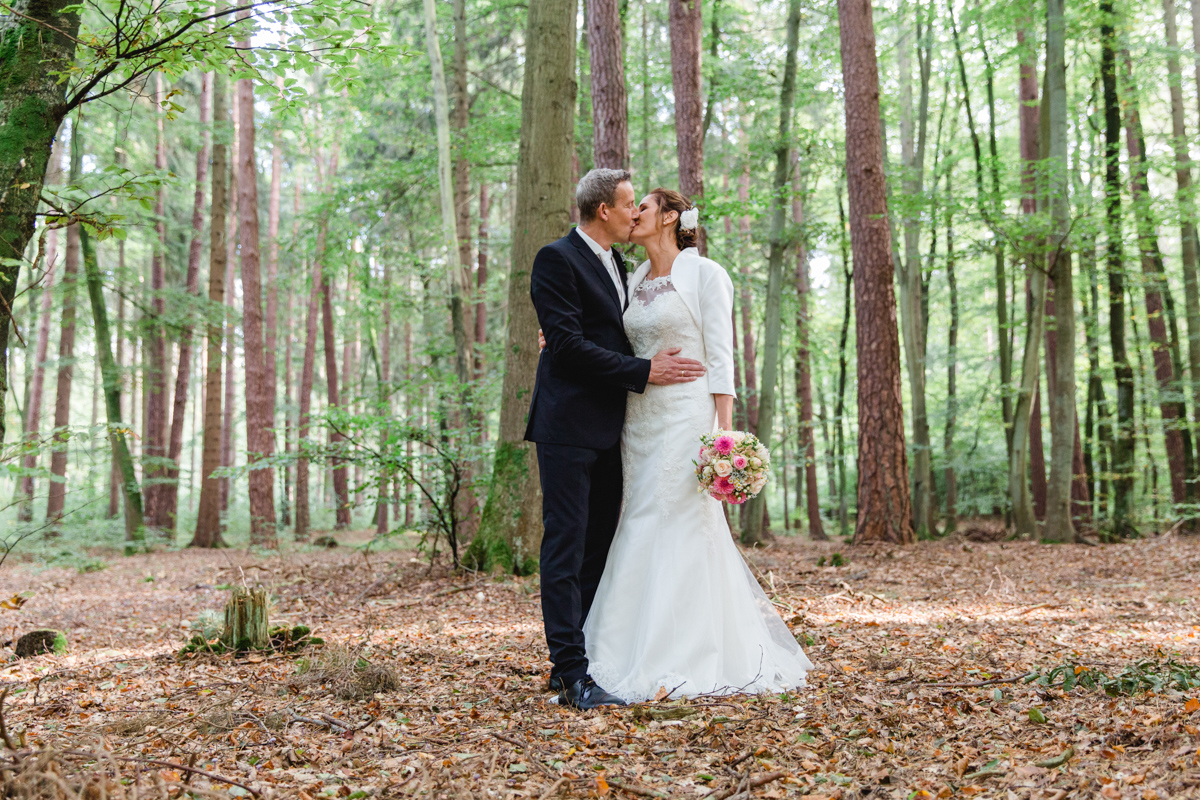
598 186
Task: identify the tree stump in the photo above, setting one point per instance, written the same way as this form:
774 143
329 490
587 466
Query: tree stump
246 624
36 643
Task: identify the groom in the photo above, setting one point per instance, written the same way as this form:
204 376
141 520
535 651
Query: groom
577 411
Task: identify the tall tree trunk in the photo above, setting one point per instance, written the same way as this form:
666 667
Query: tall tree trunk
686 26
912 149
839 412
459 121
1155 282
289 424
481 276
510 530
884 507
208 516
307 369
114 484
56 495
37 45
752 519
749 353
170 496
135 531
458 285
804 393
610 132
1123 468
260 423
271 316
384 401
1064 429
1187 213
951 477
231 243
154 451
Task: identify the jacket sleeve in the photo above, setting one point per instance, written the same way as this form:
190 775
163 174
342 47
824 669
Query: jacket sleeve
716 313
556 298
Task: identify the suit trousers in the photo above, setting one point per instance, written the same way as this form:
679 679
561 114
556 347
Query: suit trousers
581 502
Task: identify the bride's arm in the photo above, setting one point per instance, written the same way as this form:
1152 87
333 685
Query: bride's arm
716 314
724 411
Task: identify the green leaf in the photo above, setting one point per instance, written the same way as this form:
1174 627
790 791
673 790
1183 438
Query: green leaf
1036 716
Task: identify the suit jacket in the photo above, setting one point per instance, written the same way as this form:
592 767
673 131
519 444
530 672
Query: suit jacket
706 290
588 365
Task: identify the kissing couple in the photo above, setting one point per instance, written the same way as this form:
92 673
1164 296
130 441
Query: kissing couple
644 593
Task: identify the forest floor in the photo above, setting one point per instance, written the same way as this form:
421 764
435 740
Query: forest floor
433 684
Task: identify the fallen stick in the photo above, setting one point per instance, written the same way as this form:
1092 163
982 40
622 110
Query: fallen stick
171 764
546 795
992 682
754 783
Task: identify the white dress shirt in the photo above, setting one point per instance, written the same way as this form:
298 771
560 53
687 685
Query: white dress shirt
610 264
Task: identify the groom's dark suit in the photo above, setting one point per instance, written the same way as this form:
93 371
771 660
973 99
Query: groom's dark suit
575 417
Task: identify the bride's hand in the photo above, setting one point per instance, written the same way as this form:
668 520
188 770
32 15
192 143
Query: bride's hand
541 341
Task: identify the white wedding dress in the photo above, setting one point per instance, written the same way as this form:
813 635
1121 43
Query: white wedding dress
677 608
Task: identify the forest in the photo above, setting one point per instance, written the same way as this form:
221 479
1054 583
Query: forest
266 322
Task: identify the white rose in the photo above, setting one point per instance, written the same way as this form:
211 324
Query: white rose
708 473
723 467
755 463
738 437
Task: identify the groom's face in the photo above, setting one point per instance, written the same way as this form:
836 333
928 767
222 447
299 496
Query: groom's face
621 219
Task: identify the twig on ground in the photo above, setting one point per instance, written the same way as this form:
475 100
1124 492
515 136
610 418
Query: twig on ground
638 790
554 787
992 682
210 775
753 783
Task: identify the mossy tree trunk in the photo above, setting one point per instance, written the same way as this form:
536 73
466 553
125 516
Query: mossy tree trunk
510 531
36 45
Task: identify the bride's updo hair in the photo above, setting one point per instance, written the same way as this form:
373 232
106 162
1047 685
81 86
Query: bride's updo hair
671 200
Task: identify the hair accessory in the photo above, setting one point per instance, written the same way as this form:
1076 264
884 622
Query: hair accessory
689 219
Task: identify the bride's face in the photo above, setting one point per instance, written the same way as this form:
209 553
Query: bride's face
651 224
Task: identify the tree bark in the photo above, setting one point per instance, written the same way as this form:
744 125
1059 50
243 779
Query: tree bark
840 409
1123 466
36 49
686 26
208 516
610 118
135 531
170 496
481 276
884 507
749 353
948 454
803 364
260 412
1155 283
912 148
56 495
231 244
752 519
341 489
510 530
1186 202
271 316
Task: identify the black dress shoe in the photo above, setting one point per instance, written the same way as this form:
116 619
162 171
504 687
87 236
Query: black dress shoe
585 695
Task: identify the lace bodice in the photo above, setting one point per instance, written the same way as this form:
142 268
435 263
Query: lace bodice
657 317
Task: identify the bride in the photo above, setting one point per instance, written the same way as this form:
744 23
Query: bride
677 612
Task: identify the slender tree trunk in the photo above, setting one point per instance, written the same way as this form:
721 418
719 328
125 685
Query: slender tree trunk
458 286
289 426
686 26
260 394
135 531
840 409
951 477
33 408
384 348
115 480
749 353
231 242
510 530
1123 467
460 119
208 516
481 276
606 47
170 495
271 310
37 45
912 149
1155 283
752 519
1185 199
56 495
884 507
154 451
308 367
804 393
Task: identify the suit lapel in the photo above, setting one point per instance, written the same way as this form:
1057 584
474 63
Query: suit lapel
619 261
598 266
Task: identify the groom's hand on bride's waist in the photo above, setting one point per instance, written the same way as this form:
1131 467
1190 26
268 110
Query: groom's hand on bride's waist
667 368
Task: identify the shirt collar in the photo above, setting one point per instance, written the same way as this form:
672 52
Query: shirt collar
591 243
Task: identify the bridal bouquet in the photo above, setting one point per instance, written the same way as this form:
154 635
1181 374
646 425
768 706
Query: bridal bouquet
733 466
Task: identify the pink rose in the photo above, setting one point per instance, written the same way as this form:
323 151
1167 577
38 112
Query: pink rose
737 501
739 462
715 495
722 484
723 444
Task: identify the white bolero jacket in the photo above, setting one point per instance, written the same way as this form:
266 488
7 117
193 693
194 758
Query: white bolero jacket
706 290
